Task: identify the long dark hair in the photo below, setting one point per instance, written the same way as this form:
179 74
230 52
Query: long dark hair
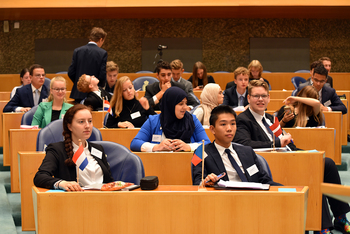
67 134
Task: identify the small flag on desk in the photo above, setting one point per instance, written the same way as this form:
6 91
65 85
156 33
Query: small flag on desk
107 107
276 128
80 159
198 155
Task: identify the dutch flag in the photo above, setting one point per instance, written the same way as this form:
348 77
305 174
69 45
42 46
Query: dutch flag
80 159
107 107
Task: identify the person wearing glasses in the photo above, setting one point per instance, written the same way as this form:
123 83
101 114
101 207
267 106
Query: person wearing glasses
31 94
56 107
327 95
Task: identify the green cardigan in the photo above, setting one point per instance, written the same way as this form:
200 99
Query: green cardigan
43 114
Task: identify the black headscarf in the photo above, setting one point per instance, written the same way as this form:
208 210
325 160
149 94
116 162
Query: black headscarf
173 127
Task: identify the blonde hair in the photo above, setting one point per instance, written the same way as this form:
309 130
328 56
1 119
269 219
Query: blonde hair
241 71
83 84
304 110
117 98
57 78
257 83
112 66
176 64
255 64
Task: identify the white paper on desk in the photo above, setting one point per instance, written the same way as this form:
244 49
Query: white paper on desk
93 186
278 149
247 185
239 108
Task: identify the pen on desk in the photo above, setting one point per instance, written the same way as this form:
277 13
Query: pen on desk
284 132
219 176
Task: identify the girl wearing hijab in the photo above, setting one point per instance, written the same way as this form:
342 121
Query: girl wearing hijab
174 129
211 97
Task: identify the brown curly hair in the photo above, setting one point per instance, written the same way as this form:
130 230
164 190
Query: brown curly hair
67 134
83 84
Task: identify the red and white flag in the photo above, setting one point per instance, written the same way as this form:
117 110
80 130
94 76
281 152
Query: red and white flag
276 128
107 107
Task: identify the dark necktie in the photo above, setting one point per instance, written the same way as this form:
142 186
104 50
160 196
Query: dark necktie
235 166
267 127
241 101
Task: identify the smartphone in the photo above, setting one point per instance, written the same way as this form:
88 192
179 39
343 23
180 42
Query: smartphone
287 110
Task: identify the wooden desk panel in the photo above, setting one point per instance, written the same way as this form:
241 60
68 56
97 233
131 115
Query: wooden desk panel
118 135
9 121
334 120
296 169
2 105
347 94
20 140
97 118
5 96
32 161
336 191
171 209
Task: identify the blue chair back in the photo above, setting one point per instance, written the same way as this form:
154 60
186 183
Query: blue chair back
144 72
221 72
62 72
140 83
105 119
27 118
264 71
47 84
302 71
264 165
53 133
297 80
125 166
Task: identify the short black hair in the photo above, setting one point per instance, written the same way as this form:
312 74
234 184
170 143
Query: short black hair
315 64
223 109
163 65
321 70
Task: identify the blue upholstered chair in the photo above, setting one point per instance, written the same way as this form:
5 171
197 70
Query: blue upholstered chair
141 82
297 80
53 133
47 84
125 166
28 116
221 72
302 71
144 72
62 72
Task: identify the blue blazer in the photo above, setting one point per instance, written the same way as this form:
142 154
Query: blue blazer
43 114
152 127
213 164
90 60
24 98
231 98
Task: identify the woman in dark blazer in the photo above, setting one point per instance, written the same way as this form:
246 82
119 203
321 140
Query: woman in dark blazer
58 170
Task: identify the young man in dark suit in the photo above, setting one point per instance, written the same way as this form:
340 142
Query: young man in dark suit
29 95
95 95
253 130
154 92
89 59
220 153
328 97
237 95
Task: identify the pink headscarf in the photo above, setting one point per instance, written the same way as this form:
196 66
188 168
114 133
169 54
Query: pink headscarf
209 97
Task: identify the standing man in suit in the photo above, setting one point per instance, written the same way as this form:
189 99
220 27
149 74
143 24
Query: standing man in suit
31 94
253 130
95 95
89 59
154 92
327 95
176 71
237 95
239 162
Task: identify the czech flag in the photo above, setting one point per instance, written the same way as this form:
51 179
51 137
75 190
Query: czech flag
107 107
276 128
198 155
80 159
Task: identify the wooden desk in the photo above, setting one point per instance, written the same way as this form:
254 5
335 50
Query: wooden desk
9 121
32 161
336 191
347 94
278 162
334 120
119 135
5 96
97 118
20 140
171 209
299 168
2 105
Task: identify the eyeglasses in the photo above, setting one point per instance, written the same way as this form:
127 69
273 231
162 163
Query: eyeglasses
320 81
256 97
59 90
